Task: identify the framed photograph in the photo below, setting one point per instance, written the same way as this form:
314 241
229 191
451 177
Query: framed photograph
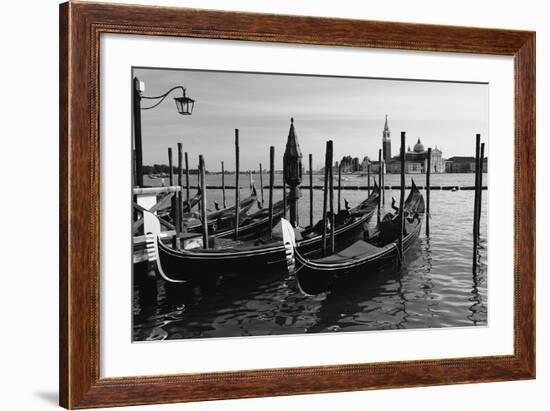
258 205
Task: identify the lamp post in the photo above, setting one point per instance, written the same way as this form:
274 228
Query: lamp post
292 171
184 106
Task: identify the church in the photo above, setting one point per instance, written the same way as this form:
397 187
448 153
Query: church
416 160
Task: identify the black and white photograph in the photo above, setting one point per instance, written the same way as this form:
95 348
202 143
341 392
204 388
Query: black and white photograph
284 203
275 205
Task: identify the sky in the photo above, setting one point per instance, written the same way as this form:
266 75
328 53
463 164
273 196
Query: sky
350 111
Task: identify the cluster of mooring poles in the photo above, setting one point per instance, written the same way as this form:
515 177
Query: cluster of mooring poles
179 207
292 178
292 170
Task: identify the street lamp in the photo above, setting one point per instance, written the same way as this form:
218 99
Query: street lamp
184 106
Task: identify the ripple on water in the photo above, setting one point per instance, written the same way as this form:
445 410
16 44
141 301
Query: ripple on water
436 288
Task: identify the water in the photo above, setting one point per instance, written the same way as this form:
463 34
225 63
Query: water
436 287
466 179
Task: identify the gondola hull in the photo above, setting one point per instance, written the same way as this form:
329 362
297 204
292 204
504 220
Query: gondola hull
251 226
223 220
198 265
363 257
312 281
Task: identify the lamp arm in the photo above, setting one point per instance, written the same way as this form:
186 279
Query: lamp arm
161 97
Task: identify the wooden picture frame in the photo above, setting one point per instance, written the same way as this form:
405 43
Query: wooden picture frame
80 27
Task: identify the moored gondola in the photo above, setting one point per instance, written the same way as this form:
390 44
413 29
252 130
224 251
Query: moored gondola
221 222
188 206
237 257
360 258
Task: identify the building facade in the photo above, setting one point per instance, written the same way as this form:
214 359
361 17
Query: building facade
365 164
463 164
416 160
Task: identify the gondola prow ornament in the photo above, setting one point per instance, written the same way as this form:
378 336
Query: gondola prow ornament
289 240
292 171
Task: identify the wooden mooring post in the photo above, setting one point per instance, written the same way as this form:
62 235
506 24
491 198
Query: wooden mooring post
476 199
262 184
250 180
223 187
325 200
187 194
331 193
428 172
171 167
271 184
480 149
339 187
174 198
180 184
380 188
177 216
138 147
204 212
368 178
383 182
311 190
480 187
401 259
237 199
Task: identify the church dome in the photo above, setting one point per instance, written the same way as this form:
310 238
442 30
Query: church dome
418 147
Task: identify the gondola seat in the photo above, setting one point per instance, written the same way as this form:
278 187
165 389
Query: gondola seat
355 251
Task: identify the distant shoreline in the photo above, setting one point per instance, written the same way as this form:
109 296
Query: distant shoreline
306 173
346 187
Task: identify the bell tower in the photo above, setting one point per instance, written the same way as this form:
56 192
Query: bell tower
386 142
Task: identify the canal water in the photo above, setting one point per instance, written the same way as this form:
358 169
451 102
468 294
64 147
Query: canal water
435 288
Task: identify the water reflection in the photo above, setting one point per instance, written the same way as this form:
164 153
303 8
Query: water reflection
478 309
436 287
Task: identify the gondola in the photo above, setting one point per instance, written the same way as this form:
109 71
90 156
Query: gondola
235 257
222 221
250 225
216 220
188 205
363 256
